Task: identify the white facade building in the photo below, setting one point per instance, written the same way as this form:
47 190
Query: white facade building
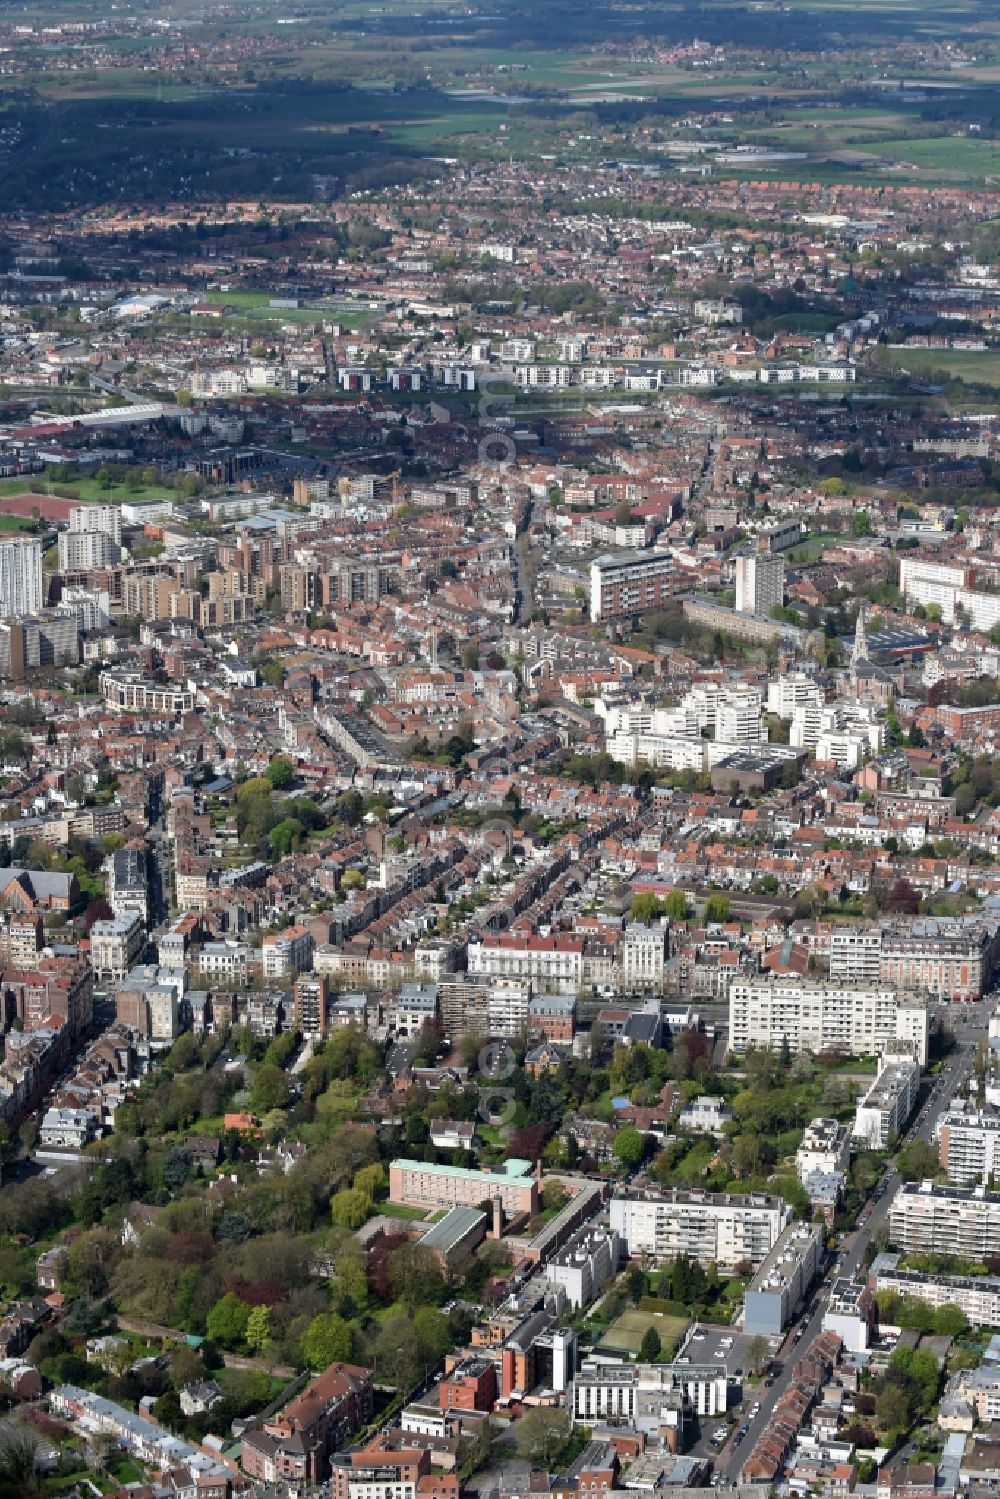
20 577
816 1017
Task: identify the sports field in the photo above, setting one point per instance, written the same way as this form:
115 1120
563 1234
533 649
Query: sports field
626 1332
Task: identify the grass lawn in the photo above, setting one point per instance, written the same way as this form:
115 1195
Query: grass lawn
89 490
628 1329
128 1472
969 365
400 1210
256 305
15 522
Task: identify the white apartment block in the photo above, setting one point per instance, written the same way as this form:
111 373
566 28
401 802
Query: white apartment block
978 1296
883 1111
552 963
713 1227
105 518
585 1266
950 588
845 733
969 1145
738 717
115 945
825 1148
856 955
817 1017
643 953
81 551
926 1219
20 577
632 1395
796 689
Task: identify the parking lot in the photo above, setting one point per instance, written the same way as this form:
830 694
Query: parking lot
725 1347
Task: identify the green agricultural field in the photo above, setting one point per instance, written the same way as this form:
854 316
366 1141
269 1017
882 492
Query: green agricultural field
951 157
626 1332
972 367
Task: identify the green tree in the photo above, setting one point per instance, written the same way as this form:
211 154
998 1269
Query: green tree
645 906
918 1161
649 1348
675 905
327 1340
281 773
950 1321
629 1146
258 1333
717 909
861 524
226 1323
350 1208
541 1435
270 1089
758 1352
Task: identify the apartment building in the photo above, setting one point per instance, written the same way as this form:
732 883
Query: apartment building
553 963
714 1227
482 1004
623 584
882 1112
287 953
116 945
825 1148
978 1296
83 551
106 519
127 882
818 1017
930 1219
760 584
969 1144
643 954
311 992
630 1395
947 959
586 1264
779 1288
129 691
856 955
423 1184
20 577
296 1444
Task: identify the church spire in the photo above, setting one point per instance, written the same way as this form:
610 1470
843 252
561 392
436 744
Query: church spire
860 651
